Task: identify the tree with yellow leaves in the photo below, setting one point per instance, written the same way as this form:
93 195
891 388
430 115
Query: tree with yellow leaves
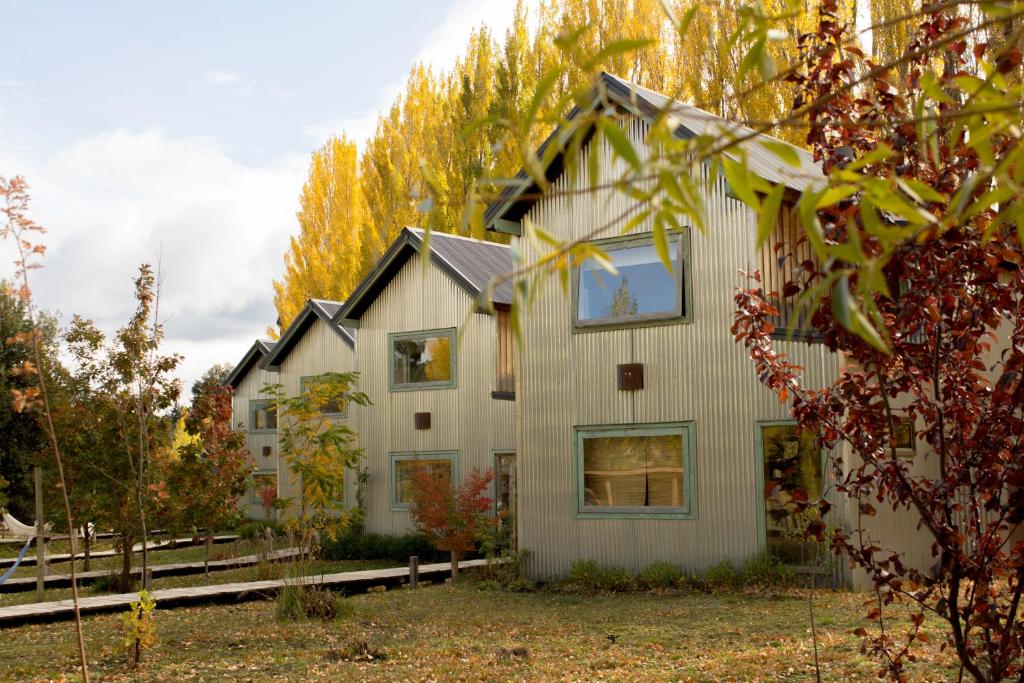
324 259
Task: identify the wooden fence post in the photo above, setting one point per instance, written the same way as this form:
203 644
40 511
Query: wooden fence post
414 571
206 561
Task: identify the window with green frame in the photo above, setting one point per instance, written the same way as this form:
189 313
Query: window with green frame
403 473
262 480
333 406
262 415
642 290
422 360
634 470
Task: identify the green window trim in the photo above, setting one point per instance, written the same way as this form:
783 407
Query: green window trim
684 429
254 405
254 496
682 275
393 458
302 389
418 335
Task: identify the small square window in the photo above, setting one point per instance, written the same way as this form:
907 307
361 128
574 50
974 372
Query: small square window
636 470
264 483
422 360
642 289
262 416
404 467
331 406
904 437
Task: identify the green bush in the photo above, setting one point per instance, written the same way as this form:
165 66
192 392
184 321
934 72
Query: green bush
766 571
662 575
398 549
721 576
588 575
256 528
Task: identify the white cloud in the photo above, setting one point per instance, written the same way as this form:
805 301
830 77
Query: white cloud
221 77
11 83
113 201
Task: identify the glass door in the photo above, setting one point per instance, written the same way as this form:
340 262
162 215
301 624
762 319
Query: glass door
792 472
505 495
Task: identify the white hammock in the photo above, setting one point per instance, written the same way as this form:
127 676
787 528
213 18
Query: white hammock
19 530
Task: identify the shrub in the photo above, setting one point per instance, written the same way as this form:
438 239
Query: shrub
296 602
766 571
588 575
721 576
398 549
256 528
662 575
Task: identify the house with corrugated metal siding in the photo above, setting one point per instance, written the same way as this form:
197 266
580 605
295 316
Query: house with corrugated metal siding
254 414
436 367
642 432
312 345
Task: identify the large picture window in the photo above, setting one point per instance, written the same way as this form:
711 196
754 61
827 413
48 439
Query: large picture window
331 406
634 471
423 360
641 290
404 467
262 416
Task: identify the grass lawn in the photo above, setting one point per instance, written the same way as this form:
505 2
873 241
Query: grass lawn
467 633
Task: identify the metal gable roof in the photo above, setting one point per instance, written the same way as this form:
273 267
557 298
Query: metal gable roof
256 353
315 308
692 121
473 264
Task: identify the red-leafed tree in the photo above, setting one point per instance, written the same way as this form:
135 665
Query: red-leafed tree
917 281
211 472
451 516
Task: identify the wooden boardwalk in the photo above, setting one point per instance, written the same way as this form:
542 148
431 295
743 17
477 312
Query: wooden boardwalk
347 582
30 559
174 569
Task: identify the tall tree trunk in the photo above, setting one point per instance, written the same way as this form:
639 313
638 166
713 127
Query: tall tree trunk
126 562
40 537
455 565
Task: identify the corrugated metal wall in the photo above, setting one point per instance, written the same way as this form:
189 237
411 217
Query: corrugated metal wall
693 371
249 389
464 419
319 350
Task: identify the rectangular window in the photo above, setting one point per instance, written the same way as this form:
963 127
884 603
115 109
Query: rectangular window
262 416
264 484
422 360
642 290
505 382
403 473
331 406
781 262
634 471
904 438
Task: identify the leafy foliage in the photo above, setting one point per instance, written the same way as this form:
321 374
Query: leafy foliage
139 624
317 450
449 514
210 472
918 282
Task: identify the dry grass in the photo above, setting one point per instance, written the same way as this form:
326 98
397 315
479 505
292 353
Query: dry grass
465 633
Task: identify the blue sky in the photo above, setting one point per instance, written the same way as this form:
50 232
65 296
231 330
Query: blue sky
184 129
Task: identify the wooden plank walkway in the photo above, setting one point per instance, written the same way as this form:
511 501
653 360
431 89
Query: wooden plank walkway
30 560
28 583
348 582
